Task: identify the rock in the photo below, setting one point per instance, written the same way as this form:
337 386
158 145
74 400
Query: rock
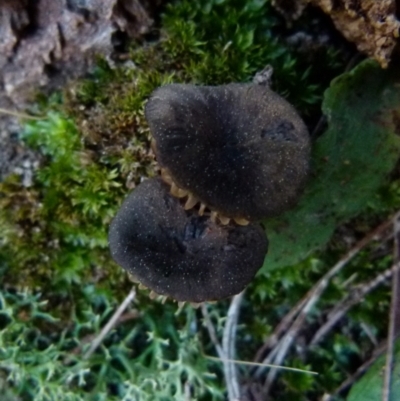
44 43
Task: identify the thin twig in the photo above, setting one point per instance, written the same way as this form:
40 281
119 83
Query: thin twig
111 323
394 320
126 317
318 127
228 347
311 299
281 328
289 337
394 316
369 333
226 352
211 331
355 297
268 359
19 114
380 350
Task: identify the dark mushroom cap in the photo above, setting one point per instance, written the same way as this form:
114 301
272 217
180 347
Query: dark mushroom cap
239 148
180 254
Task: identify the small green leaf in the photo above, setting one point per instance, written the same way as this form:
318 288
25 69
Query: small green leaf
350 162
370 386
245 39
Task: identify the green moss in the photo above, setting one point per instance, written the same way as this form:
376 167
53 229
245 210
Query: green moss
57 233
96 145
222 41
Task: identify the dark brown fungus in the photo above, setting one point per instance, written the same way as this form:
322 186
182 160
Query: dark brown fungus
180 254
240 148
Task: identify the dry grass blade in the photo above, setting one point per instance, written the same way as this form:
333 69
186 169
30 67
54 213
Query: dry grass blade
248 363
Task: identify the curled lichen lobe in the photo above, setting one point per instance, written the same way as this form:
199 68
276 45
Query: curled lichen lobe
180 254
239 148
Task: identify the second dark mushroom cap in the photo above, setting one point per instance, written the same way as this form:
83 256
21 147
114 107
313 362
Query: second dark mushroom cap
180 254
239 148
